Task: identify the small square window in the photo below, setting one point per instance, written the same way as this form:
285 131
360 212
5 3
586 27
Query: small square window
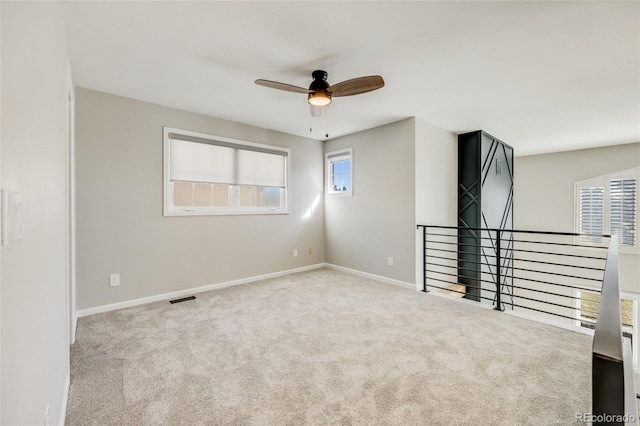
339 172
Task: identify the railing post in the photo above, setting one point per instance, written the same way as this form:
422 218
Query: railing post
608 360
424 257
498 271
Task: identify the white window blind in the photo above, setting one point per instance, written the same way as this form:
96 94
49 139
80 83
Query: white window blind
592 213
214 175
261 168
201 160
623 210
608 204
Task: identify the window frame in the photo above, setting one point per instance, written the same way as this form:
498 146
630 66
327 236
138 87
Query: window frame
234 189
604 181
330 158
633 298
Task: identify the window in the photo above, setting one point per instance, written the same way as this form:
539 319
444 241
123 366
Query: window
609 205
206 175
588 304
339 172
591 215
623 201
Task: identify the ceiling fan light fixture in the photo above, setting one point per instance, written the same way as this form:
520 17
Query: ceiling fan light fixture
320 92
318 111
319 98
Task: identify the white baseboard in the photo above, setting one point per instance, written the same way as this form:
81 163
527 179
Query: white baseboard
519 314
380 278
74 327
190 291
549 321
65 398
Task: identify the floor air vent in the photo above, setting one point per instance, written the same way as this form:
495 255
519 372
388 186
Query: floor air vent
184 299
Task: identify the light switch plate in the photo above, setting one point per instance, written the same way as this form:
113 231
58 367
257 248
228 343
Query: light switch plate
12 220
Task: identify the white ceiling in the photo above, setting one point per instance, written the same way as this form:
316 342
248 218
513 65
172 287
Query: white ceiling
542 76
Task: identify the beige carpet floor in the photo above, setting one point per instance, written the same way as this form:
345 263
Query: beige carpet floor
324 347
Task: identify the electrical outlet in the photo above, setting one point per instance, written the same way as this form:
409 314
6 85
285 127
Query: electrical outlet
114 280
295 252
310 252
389 261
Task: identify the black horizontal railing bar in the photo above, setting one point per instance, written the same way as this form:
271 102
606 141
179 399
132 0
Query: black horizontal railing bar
557 244
559 254
544 312
559 264
462 236
449 267
556 274
458 260
441 242
545 292
520 231
514 250
455 244
446 251
461 252
466 269
524 260
514 277
463 276
449 235
453 259
556 284
546 302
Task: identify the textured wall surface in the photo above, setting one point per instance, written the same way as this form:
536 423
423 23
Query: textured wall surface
377 222
120 225
34 295
545 195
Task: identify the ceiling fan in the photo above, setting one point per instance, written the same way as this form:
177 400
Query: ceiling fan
320 92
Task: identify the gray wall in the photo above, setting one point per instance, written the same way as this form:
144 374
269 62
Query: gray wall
436 166
544 192
34 357
436 163
378 220
120 226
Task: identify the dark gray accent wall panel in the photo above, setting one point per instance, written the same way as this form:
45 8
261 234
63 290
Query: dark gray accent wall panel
485 200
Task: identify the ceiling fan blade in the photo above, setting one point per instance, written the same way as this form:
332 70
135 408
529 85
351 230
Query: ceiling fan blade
355 86
281 86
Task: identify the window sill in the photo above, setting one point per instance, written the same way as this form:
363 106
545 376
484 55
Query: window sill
225 213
